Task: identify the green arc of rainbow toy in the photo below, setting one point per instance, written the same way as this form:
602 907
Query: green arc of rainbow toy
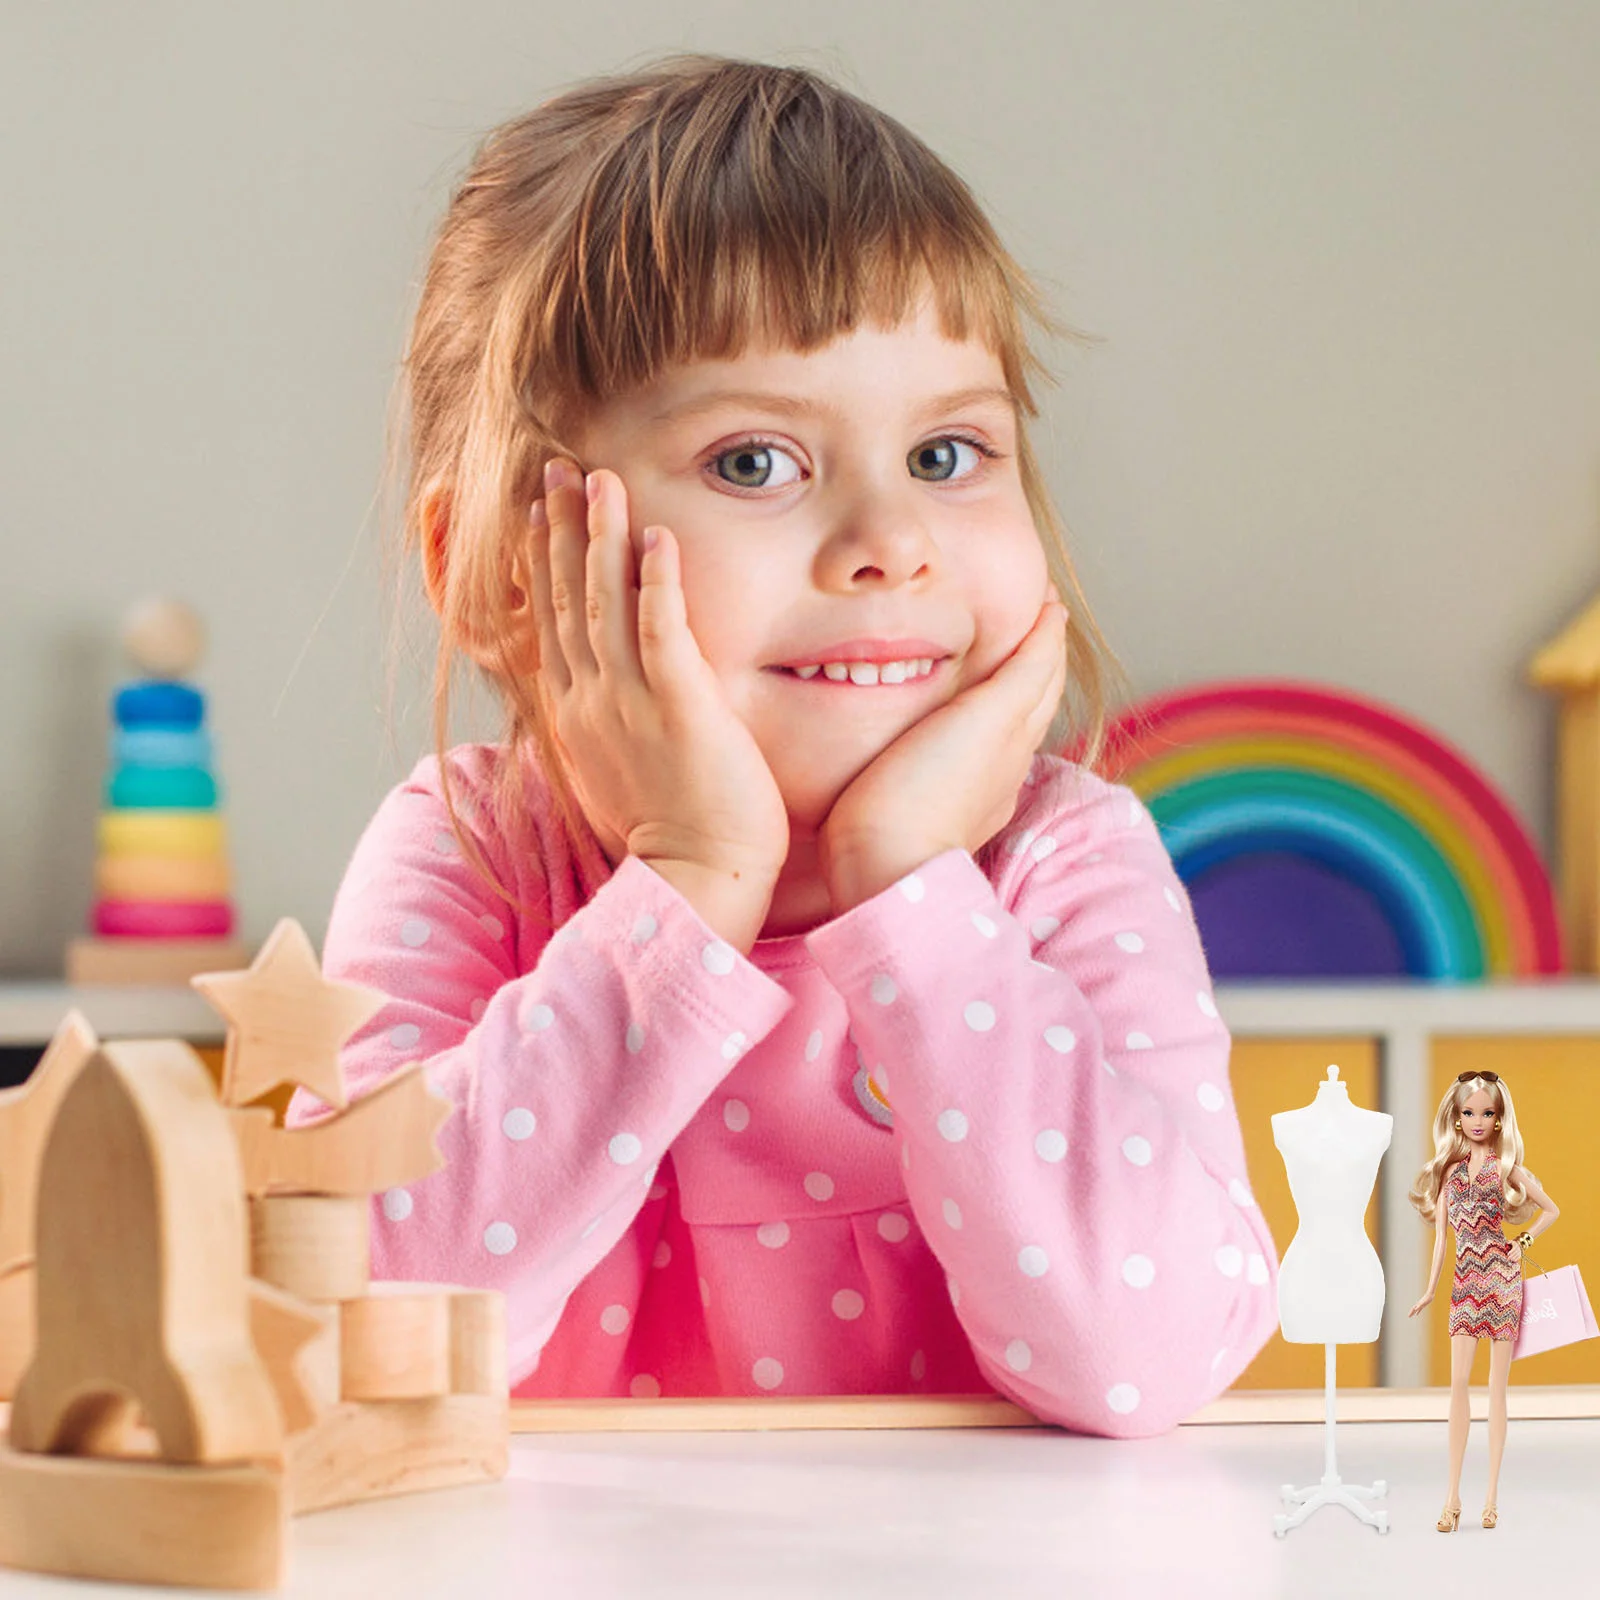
1252 771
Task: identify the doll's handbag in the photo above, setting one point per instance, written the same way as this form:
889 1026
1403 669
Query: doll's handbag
1555 1311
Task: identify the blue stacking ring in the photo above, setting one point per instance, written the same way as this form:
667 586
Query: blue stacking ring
161 789
160 747
164 705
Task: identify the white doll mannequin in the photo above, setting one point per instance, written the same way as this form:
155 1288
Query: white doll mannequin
1330 1286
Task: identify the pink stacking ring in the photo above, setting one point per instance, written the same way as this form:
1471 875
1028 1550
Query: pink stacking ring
163 919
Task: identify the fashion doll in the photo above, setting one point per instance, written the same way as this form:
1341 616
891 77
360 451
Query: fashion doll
1477 1172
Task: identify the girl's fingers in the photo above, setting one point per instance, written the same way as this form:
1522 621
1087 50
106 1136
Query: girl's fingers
663 622
569 548
612 598
552 663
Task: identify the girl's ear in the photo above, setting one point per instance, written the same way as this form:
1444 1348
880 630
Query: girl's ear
433 512
514 627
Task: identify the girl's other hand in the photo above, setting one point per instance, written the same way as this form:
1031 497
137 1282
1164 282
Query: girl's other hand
1427 1299
660 761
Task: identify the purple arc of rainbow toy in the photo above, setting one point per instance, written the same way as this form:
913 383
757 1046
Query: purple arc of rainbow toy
1323 834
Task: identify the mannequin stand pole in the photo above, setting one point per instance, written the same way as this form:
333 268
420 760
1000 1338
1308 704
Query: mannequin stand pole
1331 1491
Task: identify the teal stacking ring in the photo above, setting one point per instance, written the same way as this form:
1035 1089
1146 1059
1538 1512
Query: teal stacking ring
160 747
161 789
163 705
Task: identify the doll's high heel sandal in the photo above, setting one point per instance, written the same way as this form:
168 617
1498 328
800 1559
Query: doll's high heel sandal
1491 1515
1448 1519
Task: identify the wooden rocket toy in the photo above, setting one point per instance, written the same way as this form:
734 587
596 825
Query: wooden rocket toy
187 1325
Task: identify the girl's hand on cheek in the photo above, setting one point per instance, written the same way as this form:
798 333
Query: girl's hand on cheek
951 780
660 761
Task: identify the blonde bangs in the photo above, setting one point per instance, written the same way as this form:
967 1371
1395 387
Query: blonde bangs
756 209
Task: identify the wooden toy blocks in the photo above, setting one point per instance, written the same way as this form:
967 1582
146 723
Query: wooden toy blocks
186 1316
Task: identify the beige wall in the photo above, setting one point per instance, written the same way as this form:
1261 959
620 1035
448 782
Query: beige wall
1343 420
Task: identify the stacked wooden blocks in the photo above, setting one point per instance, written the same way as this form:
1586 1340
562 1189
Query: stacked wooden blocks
206 1356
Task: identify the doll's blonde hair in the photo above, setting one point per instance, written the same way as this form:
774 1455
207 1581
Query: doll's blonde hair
676 213
1450 1145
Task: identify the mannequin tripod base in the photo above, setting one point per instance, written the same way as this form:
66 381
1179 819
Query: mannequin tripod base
1331 1491
1352 1496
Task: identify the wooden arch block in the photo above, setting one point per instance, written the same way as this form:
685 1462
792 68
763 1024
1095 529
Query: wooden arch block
142 1269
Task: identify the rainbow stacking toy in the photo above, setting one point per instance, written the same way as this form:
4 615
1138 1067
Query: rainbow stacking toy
163 909
1321 834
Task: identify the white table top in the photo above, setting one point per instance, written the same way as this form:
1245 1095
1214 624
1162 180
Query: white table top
1001 1514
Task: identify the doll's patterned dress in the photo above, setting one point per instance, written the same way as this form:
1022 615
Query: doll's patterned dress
1486 1297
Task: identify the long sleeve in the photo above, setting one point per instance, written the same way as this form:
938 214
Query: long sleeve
572 1068
1058 1075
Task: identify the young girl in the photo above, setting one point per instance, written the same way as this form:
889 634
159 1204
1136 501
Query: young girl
808 1032
1475 1168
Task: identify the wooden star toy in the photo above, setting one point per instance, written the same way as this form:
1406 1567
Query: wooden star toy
286 1021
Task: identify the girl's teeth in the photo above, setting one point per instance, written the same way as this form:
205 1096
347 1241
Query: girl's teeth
868 672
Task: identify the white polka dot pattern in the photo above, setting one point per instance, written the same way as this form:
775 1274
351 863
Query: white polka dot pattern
624 1149
819 1185
499 1238
518 1123
615 1319
893 1227
1050 1144
1122 1398
1138 1272
952 1126
397 1204
767 1373
719 958
774 1235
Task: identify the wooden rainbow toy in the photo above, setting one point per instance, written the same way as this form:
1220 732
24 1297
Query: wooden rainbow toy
1321 834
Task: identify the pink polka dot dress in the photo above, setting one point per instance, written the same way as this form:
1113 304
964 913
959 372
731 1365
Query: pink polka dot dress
975 1134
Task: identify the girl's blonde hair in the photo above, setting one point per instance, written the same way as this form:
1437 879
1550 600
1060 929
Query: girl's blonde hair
1450 1145
667 215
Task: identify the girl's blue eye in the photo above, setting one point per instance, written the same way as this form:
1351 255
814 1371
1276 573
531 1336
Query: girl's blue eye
938 457
749 464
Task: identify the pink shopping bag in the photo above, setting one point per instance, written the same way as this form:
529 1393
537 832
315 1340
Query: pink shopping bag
1555 1311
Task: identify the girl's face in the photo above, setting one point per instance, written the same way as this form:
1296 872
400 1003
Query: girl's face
866 491
1477 1116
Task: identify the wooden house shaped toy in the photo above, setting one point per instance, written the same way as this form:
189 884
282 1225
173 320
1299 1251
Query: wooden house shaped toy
1570 665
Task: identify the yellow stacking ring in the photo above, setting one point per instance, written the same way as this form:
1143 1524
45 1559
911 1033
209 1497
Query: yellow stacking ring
162 878
161 833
